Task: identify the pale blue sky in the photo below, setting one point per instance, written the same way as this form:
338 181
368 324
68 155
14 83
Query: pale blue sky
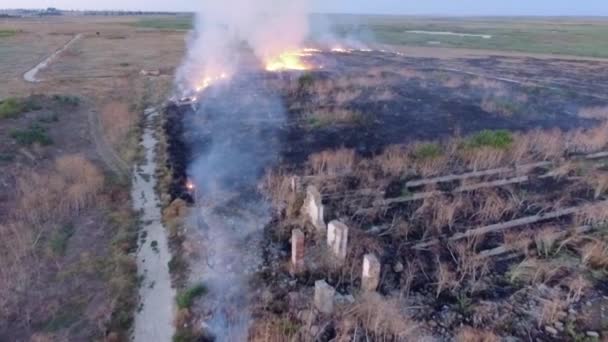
443 7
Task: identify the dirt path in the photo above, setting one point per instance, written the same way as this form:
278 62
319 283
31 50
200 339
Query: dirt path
30 76
154 318
104 150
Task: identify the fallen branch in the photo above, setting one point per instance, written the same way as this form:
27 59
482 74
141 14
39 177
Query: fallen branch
505 225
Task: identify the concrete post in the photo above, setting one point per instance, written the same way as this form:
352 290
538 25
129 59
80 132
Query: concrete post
314 208
324 297
337 239
297 251
370 279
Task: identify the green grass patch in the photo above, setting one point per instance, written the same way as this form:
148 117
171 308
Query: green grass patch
185 298
35 134
4 33
177 23
428 151
13 107
500 139
59 239
67 316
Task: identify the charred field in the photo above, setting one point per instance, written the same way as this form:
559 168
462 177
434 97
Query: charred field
479 185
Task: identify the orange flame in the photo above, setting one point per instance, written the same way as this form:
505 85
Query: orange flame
290 60
207 81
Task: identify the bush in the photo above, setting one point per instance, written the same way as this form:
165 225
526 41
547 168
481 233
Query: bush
185 299
428 151
59 239
67 99
500 139
11 108
32 135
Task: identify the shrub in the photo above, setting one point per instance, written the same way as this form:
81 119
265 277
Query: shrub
500 139
32 135
11 108
185 299
428 151
67 99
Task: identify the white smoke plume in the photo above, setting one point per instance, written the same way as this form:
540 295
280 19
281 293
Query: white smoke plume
267 27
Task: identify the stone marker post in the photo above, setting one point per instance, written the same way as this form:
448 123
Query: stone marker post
297 251
337 239
324 297
370 279
314 208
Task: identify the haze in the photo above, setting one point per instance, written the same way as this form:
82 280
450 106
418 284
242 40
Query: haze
443 7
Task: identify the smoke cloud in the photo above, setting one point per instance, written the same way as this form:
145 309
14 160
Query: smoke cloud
234 135
267 27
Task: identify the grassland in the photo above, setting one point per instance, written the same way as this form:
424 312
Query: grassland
165 23
567 36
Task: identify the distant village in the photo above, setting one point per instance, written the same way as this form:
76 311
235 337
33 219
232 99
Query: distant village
51 11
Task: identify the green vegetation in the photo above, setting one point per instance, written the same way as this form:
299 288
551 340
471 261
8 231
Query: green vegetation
59 239
428 151
556 36
12 107
35 134
185 299
7 33
174 23
500 139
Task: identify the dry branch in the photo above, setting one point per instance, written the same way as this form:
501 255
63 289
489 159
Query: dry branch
507 225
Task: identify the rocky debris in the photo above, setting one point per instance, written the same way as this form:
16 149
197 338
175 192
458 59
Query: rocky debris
324 297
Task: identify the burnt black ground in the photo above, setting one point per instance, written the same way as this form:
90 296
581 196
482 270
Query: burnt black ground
422 108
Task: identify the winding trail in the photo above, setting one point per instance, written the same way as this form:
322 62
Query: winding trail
30 76
154 318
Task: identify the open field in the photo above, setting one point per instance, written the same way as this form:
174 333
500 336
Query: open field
450 183
67 145
566 36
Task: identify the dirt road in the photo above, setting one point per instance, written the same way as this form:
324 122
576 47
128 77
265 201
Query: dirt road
30 76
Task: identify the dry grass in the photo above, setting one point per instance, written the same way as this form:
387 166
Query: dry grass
50 196
469 334
446 278
394 160
594 254
492 204
381 318
597 112
334 162
482 158
598 181
439 212
588 141
117 121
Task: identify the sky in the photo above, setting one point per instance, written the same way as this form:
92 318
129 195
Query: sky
414 7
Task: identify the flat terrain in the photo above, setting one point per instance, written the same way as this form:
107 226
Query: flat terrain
67 144
467 154
479 183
